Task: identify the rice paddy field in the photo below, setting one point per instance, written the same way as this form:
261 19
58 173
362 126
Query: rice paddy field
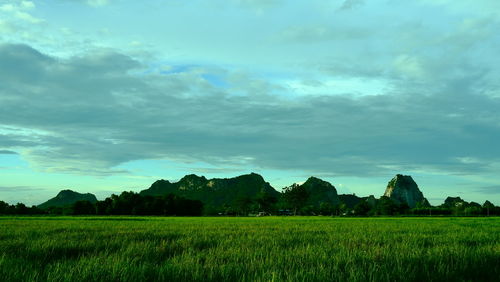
249 249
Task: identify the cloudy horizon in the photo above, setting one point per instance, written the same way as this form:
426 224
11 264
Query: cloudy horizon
103 96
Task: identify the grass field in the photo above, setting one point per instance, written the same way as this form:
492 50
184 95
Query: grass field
263 249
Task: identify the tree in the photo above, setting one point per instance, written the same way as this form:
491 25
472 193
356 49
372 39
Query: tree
488 206
21 209
326 208
342 209
243 204
4 208
296 197
386 206
104 207
362 208
265 201
83 208
403 208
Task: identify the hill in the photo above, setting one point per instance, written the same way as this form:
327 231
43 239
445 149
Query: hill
67 197
403 189
351 200
319 191
213 192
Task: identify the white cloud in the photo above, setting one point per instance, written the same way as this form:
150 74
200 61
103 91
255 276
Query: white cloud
15 15
27 17
27 5
98 3
7 8
409 66
354 86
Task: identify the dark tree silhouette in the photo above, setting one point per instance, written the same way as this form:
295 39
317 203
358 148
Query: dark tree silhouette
296 197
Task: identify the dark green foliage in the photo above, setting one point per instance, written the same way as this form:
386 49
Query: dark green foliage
326 208
266 201
249 195
219 195
130 203
243 205
104 207
19 209
431 211
386 206
350 200
295 197
490 209
320 191
362 208
452 202
83 207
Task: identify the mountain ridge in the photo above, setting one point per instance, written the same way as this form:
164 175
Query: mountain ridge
215 191
67 197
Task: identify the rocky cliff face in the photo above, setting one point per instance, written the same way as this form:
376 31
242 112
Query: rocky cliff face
402 189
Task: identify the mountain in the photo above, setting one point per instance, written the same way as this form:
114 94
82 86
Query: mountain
213 192
403 189
67 197
454 202
320 191
351 200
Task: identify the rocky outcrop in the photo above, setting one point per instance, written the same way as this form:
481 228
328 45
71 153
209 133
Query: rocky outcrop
402 189
320 191
66 198
454 202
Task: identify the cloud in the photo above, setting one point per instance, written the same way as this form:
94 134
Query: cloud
319 33
98 3
489 190
27 5
102 109
94 3
481 6
7 152
19 11
351 4
20 189
258 4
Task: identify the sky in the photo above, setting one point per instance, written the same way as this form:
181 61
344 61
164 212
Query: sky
103 96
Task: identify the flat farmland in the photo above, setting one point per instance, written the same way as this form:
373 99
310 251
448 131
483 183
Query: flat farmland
249 249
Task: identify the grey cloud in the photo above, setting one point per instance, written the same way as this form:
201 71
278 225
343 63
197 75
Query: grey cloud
20 189
100 115
489 190
212 169
317 33
7 152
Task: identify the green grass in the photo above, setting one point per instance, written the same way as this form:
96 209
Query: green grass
262 249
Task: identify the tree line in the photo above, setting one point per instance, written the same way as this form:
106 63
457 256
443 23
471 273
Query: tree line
127 203
294 200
